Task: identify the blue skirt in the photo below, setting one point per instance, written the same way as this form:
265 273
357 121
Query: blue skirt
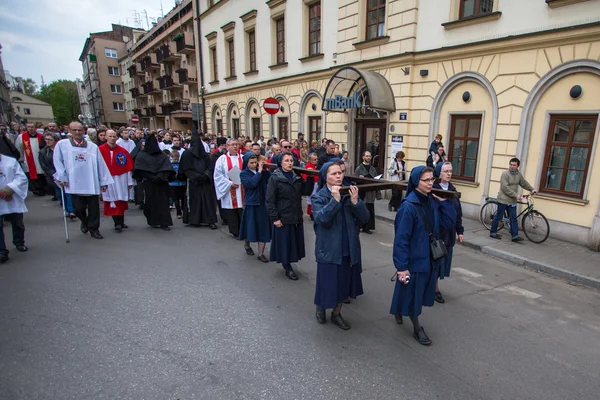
287 244
446 264
255 225
408 300
335 283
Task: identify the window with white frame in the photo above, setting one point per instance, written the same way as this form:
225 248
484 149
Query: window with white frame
110 53
118 106
113 71
116 89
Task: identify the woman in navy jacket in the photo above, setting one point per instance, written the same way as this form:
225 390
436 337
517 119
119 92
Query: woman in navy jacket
417 272
444 171
255 226
337 248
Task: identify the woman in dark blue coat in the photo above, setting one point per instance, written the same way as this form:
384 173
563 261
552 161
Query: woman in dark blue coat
255 226
444 172
337 248
417 272
284 204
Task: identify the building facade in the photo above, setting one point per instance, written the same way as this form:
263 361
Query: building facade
102 76
127 80
497 78
30 109
163 72
6 110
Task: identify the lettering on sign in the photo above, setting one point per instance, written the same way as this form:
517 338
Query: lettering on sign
341 102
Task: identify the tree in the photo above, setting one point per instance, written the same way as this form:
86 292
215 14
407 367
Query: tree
62 96
29 87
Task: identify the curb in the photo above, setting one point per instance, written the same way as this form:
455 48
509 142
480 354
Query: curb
526 262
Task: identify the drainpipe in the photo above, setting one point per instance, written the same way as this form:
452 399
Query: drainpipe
199 61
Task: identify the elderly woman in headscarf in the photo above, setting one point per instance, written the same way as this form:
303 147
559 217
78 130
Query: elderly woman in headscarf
255 226
197 168
417 272
337 247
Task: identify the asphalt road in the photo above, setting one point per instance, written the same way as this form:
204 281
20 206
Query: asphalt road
185 314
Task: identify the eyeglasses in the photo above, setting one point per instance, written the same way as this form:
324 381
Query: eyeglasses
430 180
287 147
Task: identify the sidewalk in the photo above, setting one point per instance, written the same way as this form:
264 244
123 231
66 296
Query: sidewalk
568 261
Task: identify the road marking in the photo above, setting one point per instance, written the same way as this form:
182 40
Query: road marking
466 272
518 291
386 244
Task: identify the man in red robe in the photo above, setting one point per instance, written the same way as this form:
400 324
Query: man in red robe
29 145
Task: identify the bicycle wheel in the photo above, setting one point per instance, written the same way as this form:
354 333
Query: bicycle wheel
487 213
535 226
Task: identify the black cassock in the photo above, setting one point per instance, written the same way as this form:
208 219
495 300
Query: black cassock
196 166
154 170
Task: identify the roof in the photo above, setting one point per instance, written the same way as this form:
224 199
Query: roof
27 99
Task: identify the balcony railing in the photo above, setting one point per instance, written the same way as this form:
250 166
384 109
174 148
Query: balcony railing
150 111
149 62
166 81
184 43
165 109
135 92
186 77
149 87
167 54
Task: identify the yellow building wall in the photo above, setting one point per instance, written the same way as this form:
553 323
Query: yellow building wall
555 100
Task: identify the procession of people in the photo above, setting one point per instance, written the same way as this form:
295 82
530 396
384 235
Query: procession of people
252 185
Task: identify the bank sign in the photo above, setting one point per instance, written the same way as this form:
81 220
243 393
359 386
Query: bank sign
341 103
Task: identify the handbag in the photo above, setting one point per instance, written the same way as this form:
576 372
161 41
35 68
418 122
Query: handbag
437 246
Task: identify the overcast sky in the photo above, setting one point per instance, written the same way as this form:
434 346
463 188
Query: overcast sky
46 37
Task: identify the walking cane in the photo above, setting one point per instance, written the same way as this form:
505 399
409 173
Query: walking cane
62 192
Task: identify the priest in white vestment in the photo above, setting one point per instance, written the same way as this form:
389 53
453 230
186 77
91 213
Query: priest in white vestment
13 191
128 144
119 163
82 172
228 186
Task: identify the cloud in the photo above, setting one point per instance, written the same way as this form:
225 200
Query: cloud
46 37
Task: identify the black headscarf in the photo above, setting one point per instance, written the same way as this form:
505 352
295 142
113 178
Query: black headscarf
151 146
195 163
153 162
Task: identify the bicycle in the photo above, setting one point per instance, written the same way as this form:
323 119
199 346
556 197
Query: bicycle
534 223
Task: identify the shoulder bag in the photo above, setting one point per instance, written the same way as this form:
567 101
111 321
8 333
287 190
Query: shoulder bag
437 246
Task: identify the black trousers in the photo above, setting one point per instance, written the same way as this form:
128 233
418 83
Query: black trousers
118 220
396 199
87 209
138 194
18 231
234 219
37 186
179 198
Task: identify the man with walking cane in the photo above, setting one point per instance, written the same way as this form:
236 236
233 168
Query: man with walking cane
13 191
82 172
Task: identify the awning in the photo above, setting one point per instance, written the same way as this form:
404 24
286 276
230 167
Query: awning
355 88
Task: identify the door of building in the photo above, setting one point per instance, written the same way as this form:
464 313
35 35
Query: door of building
371 136
255 128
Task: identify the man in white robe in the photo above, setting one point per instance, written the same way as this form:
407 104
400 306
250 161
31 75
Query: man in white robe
120 164
128 144
13 191
29 145
228 187
82 172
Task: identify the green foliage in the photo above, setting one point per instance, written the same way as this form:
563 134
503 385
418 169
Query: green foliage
62 96
29 86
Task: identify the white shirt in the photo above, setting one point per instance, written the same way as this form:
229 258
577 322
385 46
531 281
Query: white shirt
118 190
82 167
12 175
35 149
223 183
127 144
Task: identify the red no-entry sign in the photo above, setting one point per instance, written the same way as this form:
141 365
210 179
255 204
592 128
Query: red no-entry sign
135 119
271 105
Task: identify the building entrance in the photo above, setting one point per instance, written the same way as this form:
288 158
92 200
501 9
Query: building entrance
370 136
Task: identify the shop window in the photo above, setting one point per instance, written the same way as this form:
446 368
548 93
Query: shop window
252 50
314 29
280 36
235 123
567 155
463 147
375 19
283 127
475 8
314 129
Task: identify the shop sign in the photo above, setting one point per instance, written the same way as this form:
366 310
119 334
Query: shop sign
340 102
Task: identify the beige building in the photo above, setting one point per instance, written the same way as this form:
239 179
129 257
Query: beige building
102 75
163 72
497 78
31 109
126 79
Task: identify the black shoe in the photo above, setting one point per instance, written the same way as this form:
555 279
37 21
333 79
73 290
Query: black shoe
263 258
165 228
421 337
213 226
22 248
84 228
125 226
119 228
390 209
398 319
320 314
367 231
517 239
249 251
54 198
3 259
339 321
311 217
291 275
97 235
439 298
496 236
347 301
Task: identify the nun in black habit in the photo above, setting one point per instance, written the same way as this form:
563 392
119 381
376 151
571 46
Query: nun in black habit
197 167
154 170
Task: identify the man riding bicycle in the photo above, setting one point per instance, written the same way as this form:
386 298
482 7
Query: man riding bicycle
508 198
